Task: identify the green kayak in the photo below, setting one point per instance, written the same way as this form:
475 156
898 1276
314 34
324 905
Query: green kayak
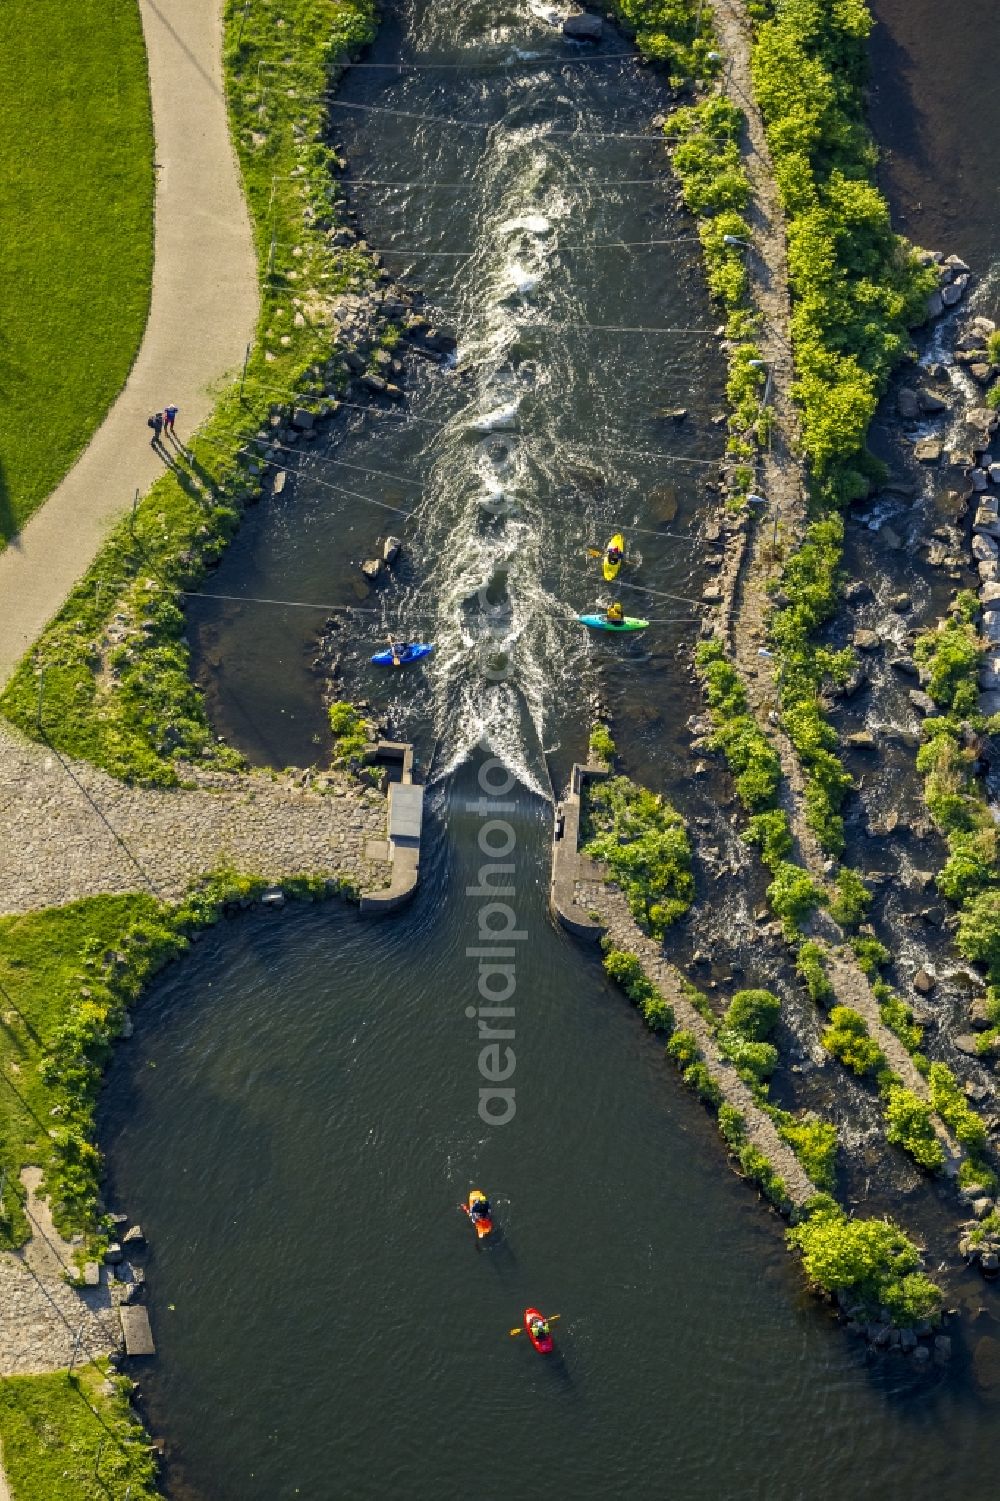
602 623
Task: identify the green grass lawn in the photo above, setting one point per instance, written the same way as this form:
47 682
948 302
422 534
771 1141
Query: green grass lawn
76 203
73 1439
44 959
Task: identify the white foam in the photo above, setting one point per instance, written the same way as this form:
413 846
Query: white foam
500 420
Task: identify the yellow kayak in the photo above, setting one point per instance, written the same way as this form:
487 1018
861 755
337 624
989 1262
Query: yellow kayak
613 563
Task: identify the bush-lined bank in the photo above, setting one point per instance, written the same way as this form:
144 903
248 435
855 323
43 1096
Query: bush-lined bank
870 1267
117 686
69 975
75 1438
76 202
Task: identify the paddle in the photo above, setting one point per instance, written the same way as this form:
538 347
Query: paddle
592 552
521 1329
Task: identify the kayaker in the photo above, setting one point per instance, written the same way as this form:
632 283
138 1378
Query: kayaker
480 1209
397 648
614 614
614 555
540 1328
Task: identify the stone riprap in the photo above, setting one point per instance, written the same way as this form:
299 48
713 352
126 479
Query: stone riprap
44 1322
68 830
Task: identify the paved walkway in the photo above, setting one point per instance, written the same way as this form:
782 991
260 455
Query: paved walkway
68 830
202 315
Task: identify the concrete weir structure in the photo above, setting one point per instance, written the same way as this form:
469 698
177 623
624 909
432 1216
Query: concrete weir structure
569 867
401 847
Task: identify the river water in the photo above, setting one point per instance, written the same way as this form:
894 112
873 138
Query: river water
296 1118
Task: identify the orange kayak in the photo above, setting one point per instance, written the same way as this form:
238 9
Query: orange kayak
482 1223
543 1343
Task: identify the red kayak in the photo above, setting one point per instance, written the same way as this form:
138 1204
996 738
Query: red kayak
482 1222
542 1342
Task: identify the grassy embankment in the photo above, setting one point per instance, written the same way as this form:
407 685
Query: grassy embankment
74 1438
126 702
67 978
76 203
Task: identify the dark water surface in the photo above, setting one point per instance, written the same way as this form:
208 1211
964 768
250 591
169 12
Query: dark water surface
930 116
296 1119
295 1124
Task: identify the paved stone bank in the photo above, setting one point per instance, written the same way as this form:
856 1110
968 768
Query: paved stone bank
68 830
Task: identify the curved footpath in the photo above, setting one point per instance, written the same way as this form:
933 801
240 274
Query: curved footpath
202 316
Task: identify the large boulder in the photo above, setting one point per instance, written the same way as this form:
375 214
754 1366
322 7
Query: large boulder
583 28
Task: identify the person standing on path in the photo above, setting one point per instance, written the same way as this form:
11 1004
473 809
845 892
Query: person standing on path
169 414
156 423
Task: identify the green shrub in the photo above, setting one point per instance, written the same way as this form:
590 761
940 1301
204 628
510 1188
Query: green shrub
852 898
979 930
954 1109
602 747
952 656
910 1124
683 1048
732 1125
848 1040
898 1016
871 954
753 1014
755 1061
626 969
870 1260
645 846
811 966
793 895
815 1144
351 733
698 1078
771 832
756 1167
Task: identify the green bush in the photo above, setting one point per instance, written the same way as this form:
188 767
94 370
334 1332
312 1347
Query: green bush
626 969
952 656
683 1048
771 832
954 1109
910 1124
815 1144
644 844
869 1260
754 1061
811 966
753 1014
793 895
697 1077
602 747
979 930
848 1040
851 900
351 733
756 1167
870 954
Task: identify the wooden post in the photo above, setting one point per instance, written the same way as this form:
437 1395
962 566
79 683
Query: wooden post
243 376
41 694
243 21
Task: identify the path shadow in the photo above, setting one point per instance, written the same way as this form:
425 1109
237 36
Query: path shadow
8 525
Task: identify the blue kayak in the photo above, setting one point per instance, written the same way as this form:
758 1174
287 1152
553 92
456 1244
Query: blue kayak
411 653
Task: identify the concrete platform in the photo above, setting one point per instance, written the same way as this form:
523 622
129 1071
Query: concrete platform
406 812
137 1334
